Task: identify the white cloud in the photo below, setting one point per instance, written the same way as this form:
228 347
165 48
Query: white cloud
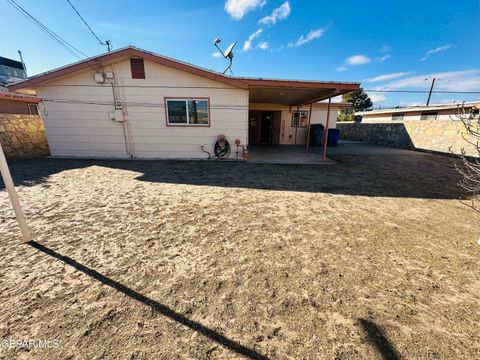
387 77
436 50
354 60
376 98
304 39
465 80
383 58
385 49
238 8
248 43
217 54
263 45
280 13
357 60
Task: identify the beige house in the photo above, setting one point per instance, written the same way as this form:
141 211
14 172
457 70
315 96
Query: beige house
131 103
431 112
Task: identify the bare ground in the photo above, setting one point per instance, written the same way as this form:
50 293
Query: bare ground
371 258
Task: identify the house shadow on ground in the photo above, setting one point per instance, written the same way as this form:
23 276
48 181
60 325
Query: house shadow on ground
428 177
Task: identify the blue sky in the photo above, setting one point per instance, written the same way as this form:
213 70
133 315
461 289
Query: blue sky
384 44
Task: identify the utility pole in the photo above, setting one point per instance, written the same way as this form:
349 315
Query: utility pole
430 92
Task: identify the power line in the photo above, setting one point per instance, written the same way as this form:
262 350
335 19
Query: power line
137 86
128 104
425 91
106 43
227 88
137 104
57 38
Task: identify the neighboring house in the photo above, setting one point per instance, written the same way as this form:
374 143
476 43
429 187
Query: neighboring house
432 112
13 103
133 103
11 71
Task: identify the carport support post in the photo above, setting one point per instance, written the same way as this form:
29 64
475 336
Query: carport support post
7 179
296 125
308 128
326 130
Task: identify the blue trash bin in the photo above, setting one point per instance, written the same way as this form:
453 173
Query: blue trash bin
333 136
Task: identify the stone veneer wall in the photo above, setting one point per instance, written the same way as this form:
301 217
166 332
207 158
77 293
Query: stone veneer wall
23 136
431 135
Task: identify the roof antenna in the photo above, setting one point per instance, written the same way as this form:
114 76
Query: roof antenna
23 63
227 54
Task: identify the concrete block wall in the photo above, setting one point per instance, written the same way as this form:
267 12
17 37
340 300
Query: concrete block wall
445 136
23 136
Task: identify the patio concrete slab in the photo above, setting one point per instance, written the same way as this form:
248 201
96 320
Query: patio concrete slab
346 147
287 155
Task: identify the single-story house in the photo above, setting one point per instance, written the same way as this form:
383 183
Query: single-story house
131 103
448 111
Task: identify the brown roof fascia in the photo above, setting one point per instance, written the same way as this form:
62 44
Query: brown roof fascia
19 97
243 83
128 52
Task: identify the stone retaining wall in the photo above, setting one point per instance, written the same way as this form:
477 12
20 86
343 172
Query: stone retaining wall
23 136
431 135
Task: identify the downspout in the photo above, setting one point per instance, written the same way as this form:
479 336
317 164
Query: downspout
308 128
326 130
117 103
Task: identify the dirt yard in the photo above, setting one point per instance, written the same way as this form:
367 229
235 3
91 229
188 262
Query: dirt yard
370 258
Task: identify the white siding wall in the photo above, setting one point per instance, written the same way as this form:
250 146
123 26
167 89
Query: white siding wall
85 129
287 132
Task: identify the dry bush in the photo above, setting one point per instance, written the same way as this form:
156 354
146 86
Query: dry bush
469 168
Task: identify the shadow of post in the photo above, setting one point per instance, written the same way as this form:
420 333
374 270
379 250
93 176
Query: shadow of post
156 306
377 337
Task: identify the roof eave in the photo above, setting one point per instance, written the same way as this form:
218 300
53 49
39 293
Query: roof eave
127 51
337 88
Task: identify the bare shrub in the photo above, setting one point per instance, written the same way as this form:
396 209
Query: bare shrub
469 168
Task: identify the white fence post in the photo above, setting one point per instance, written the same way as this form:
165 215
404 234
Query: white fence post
7 179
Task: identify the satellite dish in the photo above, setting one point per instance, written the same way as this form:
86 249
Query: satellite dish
227 54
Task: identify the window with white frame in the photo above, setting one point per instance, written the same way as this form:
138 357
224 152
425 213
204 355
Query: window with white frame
397 116
428 116
33 109
299 118
187 112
